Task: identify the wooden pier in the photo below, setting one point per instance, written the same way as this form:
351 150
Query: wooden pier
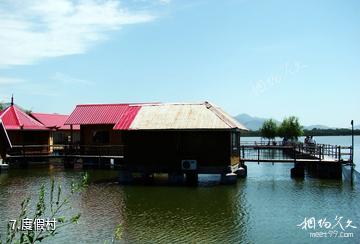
322 160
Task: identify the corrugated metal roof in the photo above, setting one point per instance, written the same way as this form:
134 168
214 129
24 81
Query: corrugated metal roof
154 116
14 118
103 114
182 116
127 118
54 121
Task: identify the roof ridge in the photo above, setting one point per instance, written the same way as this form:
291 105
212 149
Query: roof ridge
3 112
50 114
108 104
220 114
176 103
35 121
16 115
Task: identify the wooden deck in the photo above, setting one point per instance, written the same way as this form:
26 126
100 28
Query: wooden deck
64 156
261 152
66 152
291 160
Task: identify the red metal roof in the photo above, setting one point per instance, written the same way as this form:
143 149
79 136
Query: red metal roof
127 118
103 114
54 121
14 118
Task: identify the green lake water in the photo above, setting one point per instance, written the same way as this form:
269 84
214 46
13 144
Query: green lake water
266 207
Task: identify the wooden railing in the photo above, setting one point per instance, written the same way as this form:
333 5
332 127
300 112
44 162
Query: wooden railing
263 150
66 150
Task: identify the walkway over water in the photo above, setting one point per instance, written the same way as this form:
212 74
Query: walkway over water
277 152
322 160
256 151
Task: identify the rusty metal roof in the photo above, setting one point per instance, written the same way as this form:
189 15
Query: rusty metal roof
54 121
183 116
14 118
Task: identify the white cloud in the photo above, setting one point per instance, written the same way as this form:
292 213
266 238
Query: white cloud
31 30
10 81
165 1
64 78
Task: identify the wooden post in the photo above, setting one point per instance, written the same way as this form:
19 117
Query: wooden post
294 154
23 141
71 134
352 150
71 139
321 151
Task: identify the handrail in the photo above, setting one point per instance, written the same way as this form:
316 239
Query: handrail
33 150
326 152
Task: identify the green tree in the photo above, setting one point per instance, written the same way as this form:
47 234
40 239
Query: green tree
290 129
28 111
1 106
269 129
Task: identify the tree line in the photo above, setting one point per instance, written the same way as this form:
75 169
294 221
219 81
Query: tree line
291 129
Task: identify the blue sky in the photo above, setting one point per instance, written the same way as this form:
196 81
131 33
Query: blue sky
265 58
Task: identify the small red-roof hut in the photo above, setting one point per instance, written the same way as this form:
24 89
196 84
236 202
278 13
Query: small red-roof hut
23 130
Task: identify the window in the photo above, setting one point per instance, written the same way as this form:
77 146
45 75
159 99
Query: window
235 141
101 137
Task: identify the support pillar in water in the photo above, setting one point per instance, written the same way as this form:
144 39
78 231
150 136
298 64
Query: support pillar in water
329 170
192 178
69 163
228 179
298 171
241 171
176 178
125 176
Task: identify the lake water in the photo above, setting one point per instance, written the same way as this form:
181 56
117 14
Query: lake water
266 207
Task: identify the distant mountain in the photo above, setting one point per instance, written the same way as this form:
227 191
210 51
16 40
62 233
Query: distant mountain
322 127
250 122
255 123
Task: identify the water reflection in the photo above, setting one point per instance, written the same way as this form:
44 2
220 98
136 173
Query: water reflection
180 214
263 208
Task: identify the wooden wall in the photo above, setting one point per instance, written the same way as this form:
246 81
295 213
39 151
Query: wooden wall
90 146
28 137
87 135
62 137
164 150
38 139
